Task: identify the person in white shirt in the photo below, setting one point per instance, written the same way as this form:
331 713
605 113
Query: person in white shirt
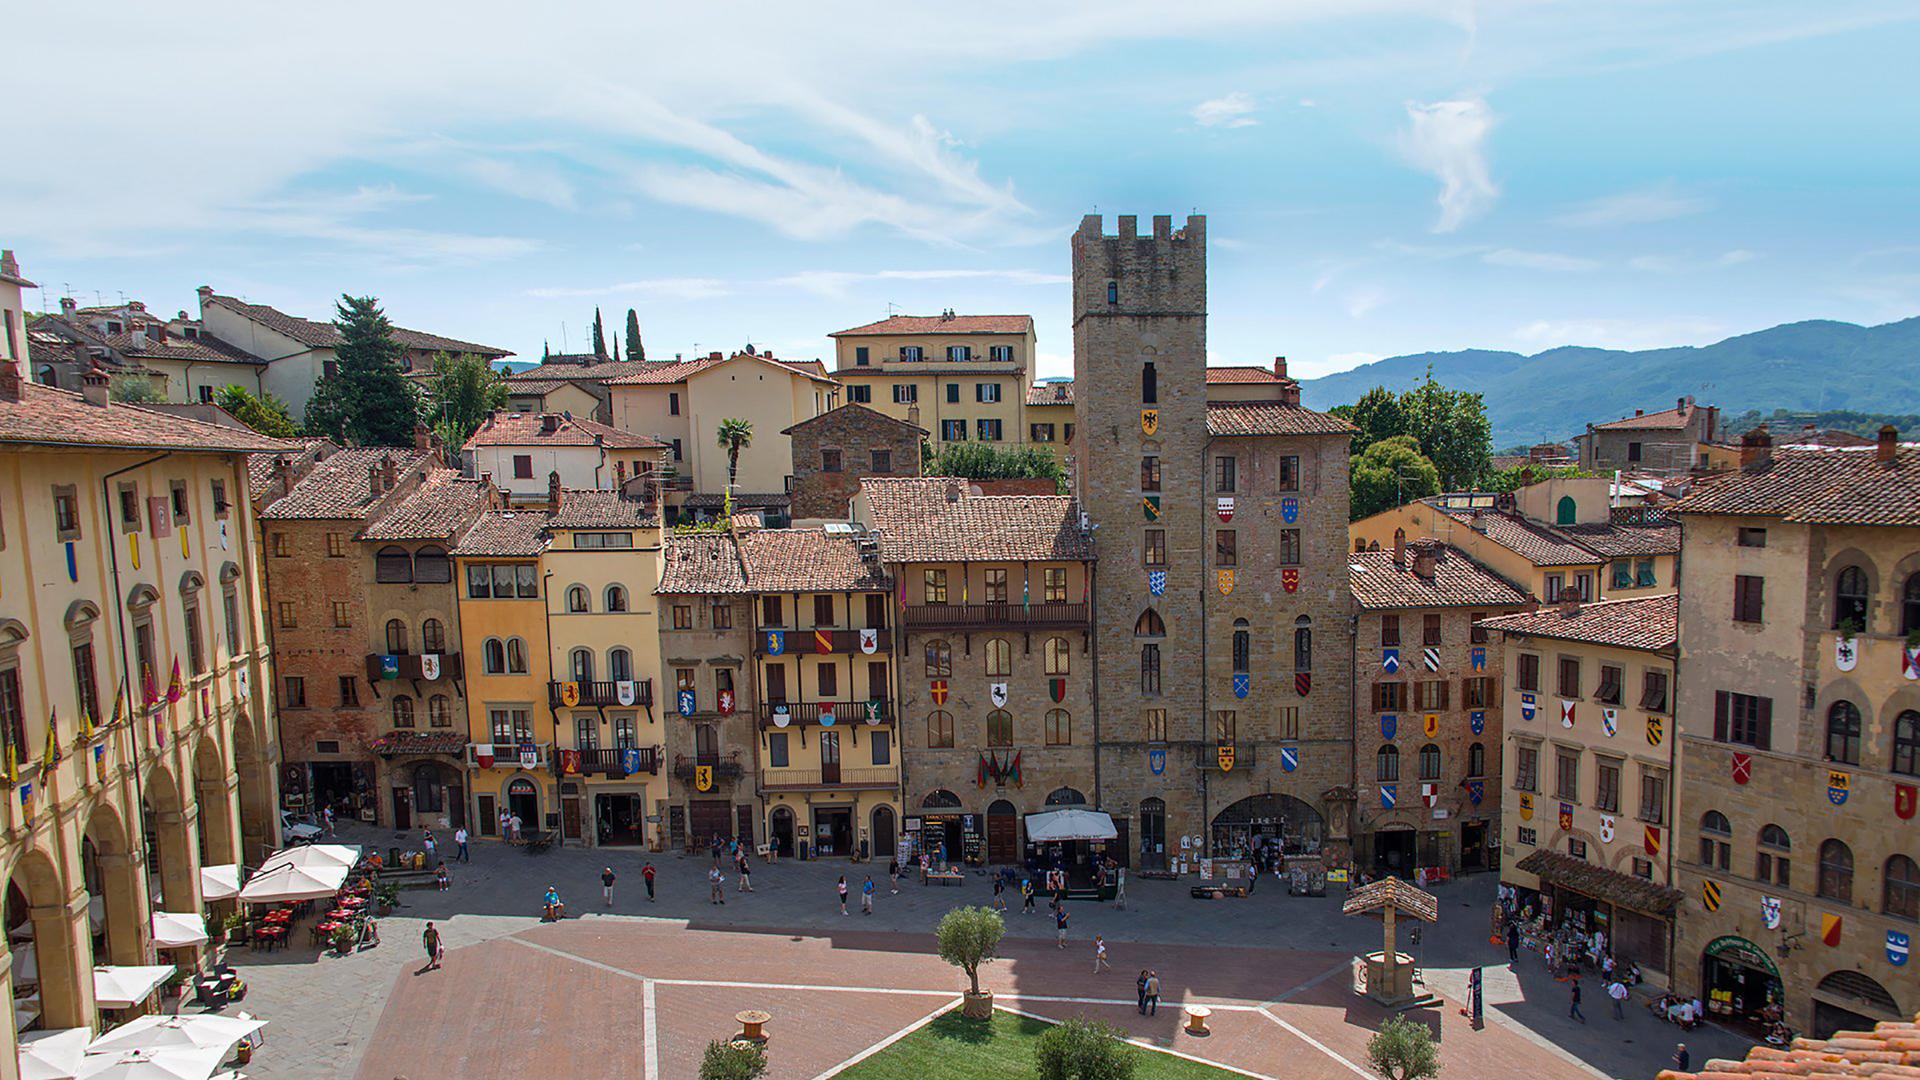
1617 990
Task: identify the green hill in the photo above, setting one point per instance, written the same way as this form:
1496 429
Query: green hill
1816 365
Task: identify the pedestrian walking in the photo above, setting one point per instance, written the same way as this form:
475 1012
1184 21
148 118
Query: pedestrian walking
1573 1007
893 875
842 889
999 901
326 814
1060 924
1617 990
1026 896
513 827
1153 993
431 940
1100 955
1513 945
606 884
1140 992
427 844
745 867
460 843
866 896
1682 1060
646 874
716 885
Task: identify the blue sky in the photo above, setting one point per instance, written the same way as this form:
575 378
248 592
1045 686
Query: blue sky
1380 176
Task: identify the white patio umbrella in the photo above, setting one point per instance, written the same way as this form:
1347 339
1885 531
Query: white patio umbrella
1070 824
123 987
151 1065
220 1033
220 882
174 930
26 963
285 883
53 1055
314 855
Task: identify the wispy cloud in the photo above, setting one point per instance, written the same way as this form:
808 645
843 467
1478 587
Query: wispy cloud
1538 260
1234 110
687 288
838 282
1644 206
1611 333
1675 264
1448 141
1360 301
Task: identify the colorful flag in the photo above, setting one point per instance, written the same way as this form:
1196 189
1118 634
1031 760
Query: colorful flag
1830 925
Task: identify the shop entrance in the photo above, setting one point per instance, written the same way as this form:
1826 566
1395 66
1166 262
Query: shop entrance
523 802
708 818
332 785
1153 834
1257 820
833 830
1393 852
402 809
619 820
1741 981
1473 846
782 830
1003 832
883 832
941 835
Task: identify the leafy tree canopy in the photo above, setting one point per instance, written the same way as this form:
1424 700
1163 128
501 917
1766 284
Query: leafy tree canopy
264 413
1390 473
1083 1049
985 461
968 937
1403 1050
366 401
138 390
464 390
1519 476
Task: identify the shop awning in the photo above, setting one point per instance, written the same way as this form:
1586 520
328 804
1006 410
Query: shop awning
286 883
220 882
123 987
1070 824
1622 890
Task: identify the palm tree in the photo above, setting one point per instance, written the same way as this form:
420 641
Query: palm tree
735 435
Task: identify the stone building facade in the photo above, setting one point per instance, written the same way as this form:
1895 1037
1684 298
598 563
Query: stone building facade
834 451
1665 443
1800 729
1428 709
706 639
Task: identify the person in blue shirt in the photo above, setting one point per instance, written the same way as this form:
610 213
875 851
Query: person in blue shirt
866 897
555 909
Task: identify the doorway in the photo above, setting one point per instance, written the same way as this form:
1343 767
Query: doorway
830 758
709 818
332 784
832 827
782 838
570 814
883 832
1473 845
1153 834
619 820
523 802
402 809
1003 832
1393 852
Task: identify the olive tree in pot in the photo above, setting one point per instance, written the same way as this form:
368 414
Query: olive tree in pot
968 937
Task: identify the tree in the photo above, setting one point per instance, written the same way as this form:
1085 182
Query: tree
599 336
968 937
1392 472
735 435
264 413
465 389
985 461
1403 1050
635 350
740 1060
1378 415
1519 476
366 401
138 390
1082 1049
1451 427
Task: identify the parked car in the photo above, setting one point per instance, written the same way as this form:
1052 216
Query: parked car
298 830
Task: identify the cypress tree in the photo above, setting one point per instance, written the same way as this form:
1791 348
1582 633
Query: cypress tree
635 350
599 336
366 401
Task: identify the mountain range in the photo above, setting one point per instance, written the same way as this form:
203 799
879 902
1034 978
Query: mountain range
1552 395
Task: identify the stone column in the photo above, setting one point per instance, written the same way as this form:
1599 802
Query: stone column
64 953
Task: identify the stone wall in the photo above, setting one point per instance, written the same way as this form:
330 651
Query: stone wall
707 651
855 433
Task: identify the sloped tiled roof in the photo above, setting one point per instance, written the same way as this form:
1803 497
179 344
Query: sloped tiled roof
594 372
1270 418
939 519
1832 485
1242 374
1541 545
657 374
1457 582
324 335
45 416
204 347
590 508
702 564
1052 393
808 560
505 534
942 324
438 509
300 453
337 488
526 429
1621 541
1646 622
1891 1051
1406 898
850 411
534 386
1591 879
1664 420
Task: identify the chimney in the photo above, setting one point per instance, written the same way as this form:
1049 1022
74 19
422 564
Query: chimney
553 492
94 385
1399 547
549 423
1477 521
68 305
1569 603
1424 558
1756 449
1639 412
389 473
10 381
9 265
1889 442
206 293
373 481
715 355
422 436
1280 367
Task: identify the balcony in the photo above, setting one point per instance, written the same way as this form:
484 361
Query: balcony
410 666
601 693
1207 756
808 642
845 713
611 761
724 768
972 616
507 755
868 779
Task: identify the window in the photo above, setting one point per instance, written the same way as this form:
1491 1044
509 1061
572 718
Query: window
1386 764
1836 871
1149 473
860 393
676 450
1653 691
391 564
1226 547
623 736
989 430
511 726
1223 474
523 466
1289 547
1059 728
1606 785
882 744
129 508
999 656
1149 376
66 512
1226 727
1389 629
1058 656
1430 629
1154 551
722 615
1715 840
342 614
288 620
1565 512
1389 696
1608 692
349 690
580 665
1156 725
1742 718
516 656
1752 538
1633 451
1570 676
1149 624
1566 774
673 403
1290 473
403 711
1850 599
1476 633
1476 760
1749 597
1643 576
526 585
190 623
337 546
1430 762
1054 585
396 636
1430 694
1303 649
230 608
86 682
1843 733
986 392
1553 585
939 659
999 728
1150 669
777 753
1906 744
1526 768
823 611
432 566
1622 574
1910 605
1901 895
619 664
940 730
616 598
1653 795
953 430
1476 692
1039 432
1289 721
493 656
828 682
282 546
1577 848
296 692
860 356
882 461
479 583
912 353
1000 354
829 461
934 586
772 611
1242 647
996 580
1772 863
906 393
577 602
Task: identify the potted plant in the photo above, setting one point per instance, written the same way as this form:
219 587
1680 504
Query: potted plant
236 927
343 938
387 895
968 937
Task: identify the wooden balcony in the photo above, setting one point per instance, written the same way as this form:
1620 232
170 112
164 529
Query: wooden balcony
1207 756
983 616
864 779
606 692
845 713
807 642
611 761
724 768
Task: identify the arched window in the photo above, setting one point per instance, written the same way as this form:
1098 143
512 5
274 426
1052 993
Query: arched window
1430 762
494 653
392 564
1716 836
1843 733
438 715
1149 669
1910 605
402 711
1476 760
939 658
1242 647
1066 796
433 636
999 728
616 598
1565 512
1906 743
1387 763
431 565
940 800
1149 377
619 664
516 656
1058 656
396 636
580 665
1902 898
577 602
1773 862
1303 644
1149 625
1836 871
939 729
1059 728
999 655
1850 598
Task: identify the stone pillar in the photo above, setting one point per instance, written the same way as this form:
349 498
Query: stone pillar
9 1047
128 928
217 799
63 951
179 861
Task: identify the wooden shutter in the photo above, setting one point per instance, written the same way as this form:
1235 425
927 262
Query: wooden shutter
1720 706
1764 740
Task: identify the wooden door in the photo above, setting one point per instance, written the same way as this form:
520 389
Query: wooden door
709 818
829 757
570 816
1003 833
402 809
744 816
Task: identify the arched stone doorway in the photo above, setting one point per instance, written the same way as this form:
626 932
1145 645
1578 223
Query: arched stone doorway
173 866
258 813
780 831
942 832
1261 820
1003 832
214 798
434 795
51 954
883 832
523 802
115 905
1851 1001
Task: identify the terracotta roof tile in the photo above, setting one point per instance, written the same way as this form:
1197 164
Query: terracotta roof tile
337 488
1591 879
702 564
850 411
589 372
747 500
943 324
808 560
656 374
202 348
505 534
1890 1051
1646 622
324 335
438 509
527 429
590 508
1058 392
1665 420
1406 897
1242 374
300 453
1270 418
1619 541
45 416
1541 545
1457 582
940 519
1835 485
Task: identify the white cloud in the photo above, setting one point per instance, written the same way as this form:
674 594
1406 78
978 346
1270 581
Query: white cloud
688 288
1235 110
838 282
1538 260
1647 205
1676 264
1360 301
1447 140
1607 333
1736 257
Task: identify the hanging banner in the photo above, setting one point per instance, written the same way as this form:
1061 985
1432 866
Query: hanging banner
1150 507
723 700
1526 806
1606 828
569 762
686 701
1430 723
1656 730
483 755
1898 945
1157 582
703 777
1610 721
1302 683
1429 794
1910 662
1057 689
1905 796
870 641
1389 725
873 713
1389 795
1652 841
1430 658
1223 506
630 760
1566 713
1830 925
529 757
389 667
1157 761
827 717
1242 684
1566 817
1150 422
1710 895
1846 653
1838 786
569 694
1476 791
823 641
781 717
1390 661
1479 657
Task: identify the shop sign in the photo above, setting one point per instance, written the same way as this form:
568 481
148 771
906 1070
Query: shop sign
1739 950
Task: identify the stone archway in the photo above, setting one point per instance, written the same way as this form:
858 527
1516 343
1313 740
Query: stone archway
112 879
214 798
173 864
39 911
258 834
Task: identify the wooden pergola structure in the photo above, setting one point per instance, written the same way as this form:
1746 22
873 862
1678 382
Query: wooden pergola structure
1389 981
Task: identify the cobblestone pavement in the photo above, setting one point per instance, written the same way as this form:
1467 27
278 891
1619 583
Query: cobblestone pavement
572 992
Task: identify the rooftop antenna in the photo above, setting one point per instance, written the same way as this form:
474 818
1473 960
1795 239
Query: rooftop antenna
892 309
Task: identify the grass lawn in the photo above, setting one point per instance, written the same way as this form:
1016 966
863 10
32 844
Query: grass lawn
955 1048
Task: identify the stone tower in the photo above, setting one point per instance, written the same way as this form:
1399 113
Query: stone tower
1140 406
